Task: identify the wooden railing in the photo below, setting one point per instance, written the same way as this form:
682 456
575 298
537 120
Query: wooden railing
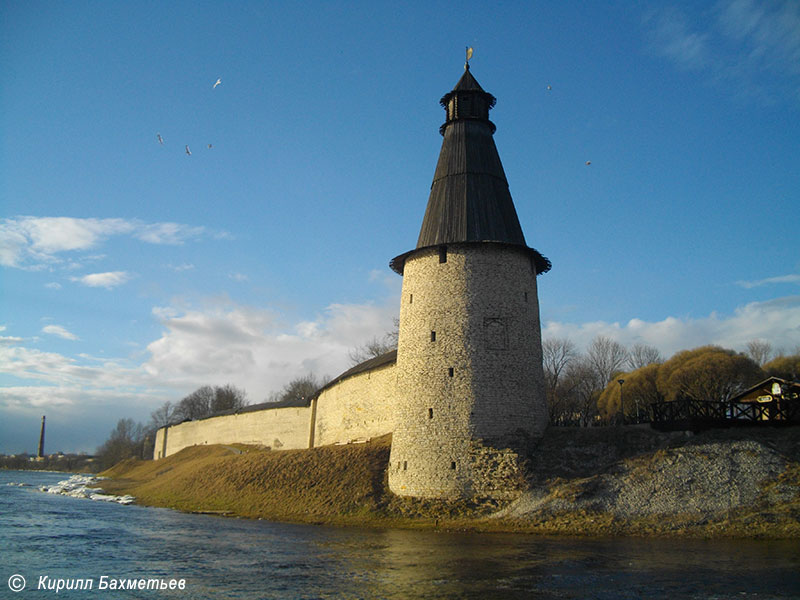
686 413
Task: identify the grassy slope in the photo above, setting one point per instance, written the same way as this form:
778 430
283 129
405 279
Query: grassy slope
346 485
330 484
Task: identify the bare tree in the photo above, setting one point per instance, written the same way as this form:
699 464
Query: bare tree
298 390
228 397
578 392
162 416
557 354
375 347
760 351
125 441
605 357
642 355
196 405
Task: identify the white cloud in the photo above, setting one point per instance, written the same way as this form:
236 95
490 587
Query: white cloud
37 242
769 280
674 37
59 331
53 285
777 321
240 277
253 349
770 32
752 48
57 369
107 280
181 267
167 233
8 339
32 240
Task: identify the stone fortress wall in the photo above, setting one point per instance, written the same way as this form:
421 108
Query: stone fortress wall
354 407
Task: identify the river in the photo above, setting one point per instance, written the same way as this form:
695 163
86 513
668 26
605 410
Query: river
47 539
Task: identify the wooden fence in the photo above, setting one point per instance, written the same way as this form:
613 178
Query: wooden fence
686 413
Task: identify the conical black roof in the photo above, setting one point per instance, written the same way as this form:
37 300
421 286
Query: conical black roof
470 200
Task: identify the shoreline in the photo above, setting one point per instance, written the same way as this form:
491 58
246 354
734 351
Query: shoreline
624 481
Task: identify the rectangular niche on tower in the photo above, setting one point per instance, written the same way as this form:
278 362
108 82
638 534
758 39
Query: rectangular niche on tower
442 254
495 332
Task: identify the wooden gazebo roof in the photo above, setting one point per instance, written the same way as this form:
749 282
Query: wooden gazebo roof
470 200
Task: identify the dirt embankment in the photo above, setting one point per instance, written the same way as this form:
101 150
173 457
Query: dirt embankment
609 481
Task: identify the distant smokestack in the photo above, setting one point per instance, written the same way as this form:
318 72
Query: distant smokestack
41 440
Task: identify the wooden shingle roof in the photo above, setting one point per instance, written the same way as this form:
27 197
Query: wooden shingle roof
470 200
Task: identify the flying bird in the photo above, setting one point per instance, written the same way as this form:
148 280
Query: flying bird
549 87
188 152
588 162
210 146
160 139
217 83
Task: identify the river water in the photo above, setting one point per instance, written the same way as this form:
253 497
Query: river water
47 538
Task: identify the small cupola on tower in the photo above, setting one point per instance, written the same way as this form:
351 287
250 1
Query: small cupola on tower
467 101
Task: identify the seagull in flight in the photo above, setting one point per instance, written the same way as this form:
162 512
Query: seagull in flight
217 83
188 152
160 139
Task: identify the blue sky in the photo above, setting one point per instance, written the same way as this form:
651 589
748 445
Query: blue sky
133 273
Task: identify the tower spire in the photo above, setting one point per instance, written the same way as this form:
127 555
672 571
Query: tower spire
469 199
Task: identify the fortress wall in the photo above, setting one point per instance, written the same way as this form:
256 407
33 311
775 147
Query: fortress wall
158 448
278 428
360 406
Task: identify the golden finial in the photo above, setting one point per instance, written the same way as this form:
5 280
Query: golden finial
469 55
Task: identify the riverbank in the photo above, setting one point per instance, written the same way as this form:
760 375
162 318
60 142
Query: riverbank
598 482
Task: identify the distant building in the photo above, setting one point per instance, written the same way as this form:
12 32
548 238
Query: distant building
773 399
773 388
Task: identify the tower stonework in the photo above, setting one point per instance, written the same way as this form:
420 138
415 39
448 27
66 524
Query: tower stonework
470 386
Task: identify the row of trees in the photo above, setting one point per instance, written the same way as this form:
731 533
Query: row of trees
131 439
583 388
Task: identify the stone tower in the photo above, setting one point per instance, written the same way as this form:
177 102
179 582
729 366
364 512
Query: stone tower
469 358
